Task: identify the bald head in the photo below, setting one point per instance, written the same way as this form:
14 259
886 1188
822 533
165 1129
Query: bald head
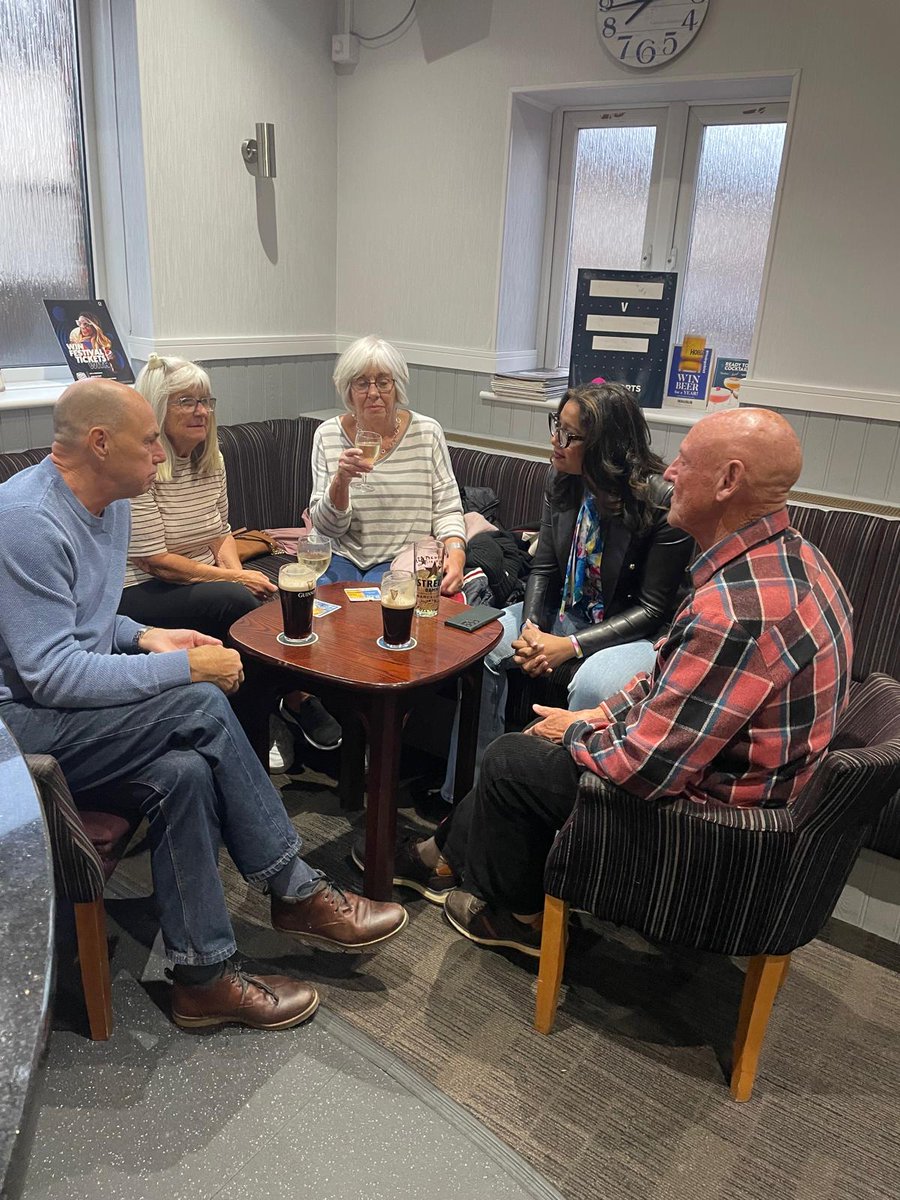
89 404
766 446
733 467
105 442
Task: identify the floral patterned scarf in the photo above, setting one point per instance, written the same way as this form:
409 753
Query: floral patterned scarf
582 588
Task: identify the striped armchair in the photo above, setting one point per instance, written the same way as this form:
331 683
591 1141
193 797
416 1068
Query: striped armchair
758 882
87 843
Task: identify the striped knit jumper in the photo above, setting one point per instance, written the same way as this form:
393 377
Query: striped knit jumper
413 494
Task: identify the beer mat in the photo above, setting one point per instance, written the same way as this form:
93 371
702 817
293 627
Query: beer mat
321 608
362 593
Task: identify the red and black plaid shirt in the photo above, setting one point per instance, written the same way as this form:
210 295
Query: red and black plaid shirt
748 685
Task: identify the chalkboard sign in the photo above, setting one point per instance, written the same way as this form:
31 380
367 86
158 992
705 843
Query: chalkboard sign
622 329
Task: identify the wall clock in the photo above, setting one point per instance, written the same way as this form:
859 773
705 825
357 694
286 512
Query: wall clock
648 33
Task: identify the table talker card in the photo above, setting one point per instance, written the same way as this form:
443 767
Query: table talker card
362 593
321 608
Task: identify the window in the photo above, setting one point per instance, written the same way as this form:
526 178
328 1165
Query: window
686 188
45 249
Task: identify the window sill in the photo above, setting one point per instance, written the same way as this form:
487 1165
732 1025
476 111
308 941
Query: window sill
653 416
36 393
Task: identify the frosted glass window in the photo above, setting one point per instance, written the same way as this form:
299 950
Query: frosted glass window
732 213
613 168
44 249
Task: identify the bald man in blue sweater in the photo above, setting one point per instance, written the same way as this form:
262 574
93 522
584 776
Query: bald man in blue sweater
112 701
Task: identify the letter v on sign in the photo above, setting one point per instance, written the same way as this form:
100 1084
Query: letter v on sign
624 305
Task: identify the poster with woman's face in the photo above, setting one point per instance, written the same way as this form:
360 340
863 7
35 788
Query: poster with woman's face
88 338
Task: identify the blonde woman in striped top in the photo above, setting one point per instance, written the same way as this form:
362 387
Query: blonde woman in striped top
183 566
412 493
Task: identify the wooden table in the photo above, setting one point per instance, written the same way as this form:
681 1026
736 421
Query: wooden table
372 691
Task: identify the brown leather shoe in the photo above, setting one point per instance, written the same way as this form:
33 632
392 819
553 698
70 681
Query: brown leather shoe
262 1002
339 920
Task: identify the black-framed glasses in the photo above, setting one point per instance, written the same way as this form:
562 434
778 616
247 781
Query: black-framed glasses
563 436
191 403
361 384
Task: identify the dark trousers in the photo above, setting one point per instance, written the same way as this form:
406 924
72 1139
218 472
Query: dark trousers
497 839
210 608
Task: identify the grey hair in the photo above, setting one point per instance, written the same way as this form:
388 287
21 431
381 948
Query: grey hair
370 354
165 377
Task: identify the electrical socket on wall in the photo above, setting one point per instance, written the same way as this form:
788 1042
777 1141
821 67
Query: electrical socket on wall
345 48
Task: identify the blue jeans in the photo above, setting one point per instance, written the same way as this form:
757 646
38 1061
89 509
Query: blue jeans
199 784
343 568
600 675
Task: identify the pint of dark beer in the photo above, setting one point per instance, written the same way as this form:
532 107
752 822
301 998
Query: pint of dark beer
297 589
398 599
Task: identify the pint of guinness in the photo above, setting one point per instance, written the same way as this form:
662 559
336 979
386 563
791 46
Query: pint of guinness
398 599
297 589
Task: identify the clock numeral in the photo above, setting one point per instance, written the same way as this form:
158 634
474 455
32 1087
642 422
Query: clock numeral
627 39
670 44
646 51
605 5
609 27
690 20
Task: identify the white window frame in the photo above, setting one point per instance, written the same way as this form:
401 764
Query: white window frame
680 127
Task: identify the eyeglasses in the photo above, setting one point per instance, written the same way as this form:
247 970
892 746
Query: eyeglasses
192 403
563 436
361 384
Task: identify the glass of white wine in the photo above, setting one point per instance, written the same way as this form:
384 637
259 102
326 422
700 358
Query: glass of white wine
370 443
314 553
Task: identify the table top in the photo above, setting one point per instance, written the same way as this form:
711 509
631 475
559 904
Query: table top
346 653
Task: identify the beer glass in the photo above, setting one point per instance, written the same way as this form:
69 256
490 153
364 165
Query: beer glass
370 443
429 570
398 599
297 591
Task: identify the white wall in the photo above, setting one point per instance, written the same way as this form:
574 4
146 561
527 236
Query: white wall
439 131
223 266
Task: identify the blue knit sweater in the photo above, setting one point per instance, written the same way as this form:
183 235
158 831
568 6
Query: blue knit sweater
61 570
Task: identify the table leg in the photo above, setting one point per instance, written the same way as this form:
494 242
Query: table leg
385 722
467 745
352 781
253 703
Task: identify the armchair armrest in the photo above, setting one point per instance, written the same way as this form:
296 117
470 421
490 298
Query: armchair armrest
77 870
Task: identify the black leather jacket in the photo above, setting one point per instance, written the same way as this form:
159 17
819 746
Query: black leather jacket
642 576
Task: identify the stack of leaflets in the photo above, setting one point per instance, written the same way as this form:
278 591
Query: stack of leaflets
531 385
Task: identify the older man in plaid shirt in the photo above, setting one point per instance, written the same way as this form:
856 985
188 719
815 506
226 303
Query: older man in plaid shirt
741 705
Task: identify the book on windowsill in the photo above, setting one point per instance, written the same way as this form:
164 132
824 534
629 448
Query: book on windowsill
531 385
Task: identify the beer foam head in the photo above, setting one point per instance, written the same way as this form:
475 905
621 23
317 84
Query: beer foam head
296 578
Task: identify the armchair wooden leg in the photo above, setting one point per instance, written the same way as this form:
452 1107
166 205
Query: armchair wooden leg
93 958
553 960
765 975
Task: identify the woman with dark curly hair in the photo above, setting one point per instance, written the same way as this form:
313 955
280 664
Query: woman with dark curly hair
608 567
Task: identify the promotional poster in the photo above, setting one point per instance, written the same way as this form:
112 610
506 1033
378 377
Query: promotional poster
622 327
688 379
85 331
728 375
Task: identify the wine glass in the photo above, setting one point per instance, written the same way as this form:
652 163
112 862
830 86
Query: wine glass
314 553
370 443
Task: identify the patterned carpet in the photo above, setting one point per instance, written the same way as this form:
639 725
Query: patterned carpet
627 1099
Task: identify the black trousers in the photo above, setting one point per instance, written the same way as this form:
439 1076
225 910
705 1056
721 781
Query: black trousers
210 608
498 837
